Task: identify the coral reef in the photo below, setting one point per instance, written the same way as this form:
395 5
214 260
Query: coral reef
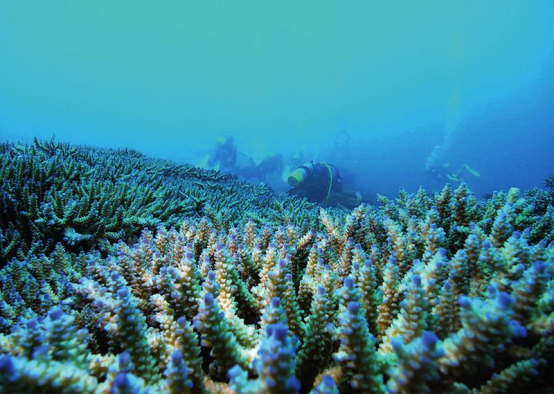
87 198
128 274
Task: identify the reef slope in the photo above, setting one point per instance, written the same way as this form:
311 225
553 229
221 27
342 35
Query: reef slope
123 273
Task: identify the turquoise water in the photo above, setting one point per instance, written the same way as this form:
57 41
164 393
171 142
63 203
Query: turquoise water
473 78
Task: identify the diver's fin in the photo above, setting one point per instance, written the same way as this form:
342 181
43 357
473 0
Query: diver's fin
204 162
472 171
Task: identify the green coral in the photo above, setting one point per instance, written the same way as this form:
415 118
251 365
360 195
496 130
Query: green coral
92 293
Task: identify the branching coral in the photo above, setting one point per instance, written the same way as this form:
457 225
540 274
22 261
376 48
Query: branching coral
88 197
357 353
241 289
416 366
274 365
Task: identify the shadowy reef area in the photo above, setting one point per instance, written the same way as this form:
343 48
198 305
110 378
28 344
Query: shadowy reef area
122 273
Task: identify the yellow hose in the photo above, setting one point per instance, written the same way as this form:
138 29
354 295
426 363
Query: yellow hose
330 181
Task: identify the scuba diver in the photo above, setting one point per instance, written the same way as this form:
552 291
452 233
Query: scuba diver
224 157
265 171
442 173
315 181
268 168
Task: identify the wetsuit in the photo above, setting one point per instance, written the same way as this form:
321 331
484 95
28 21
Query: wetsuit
322 178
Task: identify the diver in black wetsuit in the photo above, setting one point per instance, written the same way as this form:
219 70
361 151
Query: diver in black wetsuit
315 181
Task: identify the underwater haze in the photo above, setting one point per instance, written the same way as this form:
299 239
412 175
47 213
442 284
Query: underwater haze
300 197
383 90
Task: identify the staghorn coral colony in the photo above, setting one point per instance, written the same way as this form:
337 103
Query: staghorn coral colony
127 274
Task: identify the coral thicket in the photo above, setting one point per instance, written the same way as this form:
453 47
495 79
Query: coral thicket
123 273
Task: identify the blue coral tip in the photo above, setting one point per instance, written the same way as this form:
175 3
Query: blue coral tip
279 331
429 339
189 256
8 369
83 332
176 356
416 280
492 291
124 358
539 266
121 380
122 293
211 276
31 324
219 246
40 352
442 252
396 344
518 329
320 290
114 275
328 381
353 307
505 300
208 298
55 313
293 384
349 282
464 302
275 302
234 372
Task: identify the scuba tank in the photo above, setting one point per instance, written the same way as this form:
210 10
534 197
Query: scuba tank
298 176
